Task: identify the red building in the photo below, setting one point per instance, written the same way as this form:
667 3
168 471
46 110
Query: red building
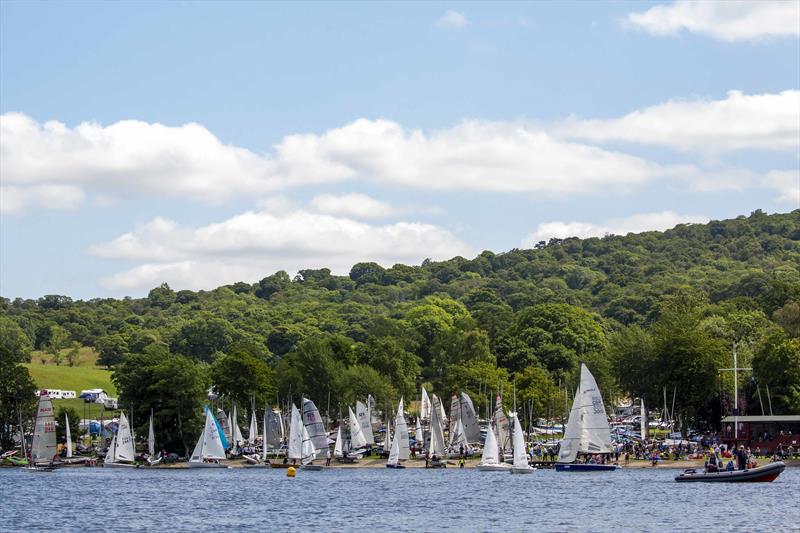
766 432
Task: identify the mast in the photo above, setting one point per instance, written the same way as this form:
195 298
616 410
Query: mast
22 432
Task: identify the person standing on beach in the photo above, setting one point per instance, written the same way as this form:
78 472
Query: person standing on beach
328 457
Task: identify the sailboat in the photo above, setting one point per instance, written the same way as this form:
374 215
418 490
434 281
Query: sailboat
68 435
501 427
401 434
425 405
520 465
152 459
357 439
642 420
436 446
43 447
394 452
587 429
294 450
365 419
252 432
121 453
312 421
236 433
491 460
209 450
308 452
469 420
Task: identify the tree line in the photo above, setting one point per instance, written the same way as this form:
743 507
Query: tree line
643 311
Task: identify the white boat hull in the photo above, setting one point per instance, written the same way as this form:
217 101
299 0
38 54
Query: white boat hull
206 465
499 467
120 465
522 470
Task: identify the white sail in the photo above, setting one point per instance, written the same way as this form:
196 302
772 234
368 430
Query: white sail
357 439
151 438
225 425
264 439
237 433
111 453
313 423
209 446
643 420
418 436
365 420
587 430
455 414
491 455
469 420
425 407
457 437
501 425
394 453
338 448
518 440
401 433
123 452
437 433
308 452
43 447
252 432
295 447
69 436
387 443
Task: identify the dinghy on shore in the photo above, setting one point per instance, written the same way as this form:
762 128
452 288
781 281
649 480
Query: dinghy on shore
587 430
764 473
209 450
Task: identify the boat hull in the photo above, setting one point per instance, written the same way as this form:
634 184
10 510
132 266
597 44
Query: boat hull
501 467
395 466
120 465
313 468
521 470
582 467
763 474
206 465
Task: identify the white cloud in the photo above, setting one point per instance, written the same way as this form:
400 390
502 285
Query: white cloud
189 161
787 182
453 19
15 200
253 244
616 226
352 205
740 121
132 157
724 20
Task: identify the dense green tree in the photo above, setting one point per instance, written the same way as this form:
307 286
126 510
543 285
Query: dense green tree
16 386
776 364
174 387
112 349
203 336
243 378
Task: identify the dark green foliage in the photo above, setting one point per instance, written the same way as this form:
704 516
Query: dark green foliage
16 386
643 311
174 387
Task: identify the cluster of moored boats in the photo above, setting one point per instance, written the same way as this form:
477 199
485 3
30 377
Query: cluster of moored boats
586 444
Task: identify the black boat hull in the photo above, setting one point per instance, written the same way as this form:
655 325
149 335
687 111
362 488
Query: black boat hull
762 474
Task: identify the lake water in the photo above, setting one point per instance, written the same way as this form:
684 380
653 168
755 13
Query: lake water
366 500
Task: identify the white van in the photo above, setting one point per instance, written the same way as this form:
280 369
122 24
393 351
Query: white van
110 403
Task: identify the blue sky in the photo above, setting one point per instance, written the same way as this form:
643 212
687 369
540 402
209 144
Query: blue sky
206 143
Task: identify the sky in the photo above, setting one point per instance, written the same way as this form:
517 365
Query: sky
201 144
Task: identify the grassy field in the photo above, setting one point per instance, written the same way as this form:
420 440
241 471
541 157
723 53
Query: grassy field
84 375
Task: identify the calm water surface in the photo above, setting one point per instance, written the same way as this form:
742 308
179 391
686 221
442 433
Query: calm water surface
81 499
